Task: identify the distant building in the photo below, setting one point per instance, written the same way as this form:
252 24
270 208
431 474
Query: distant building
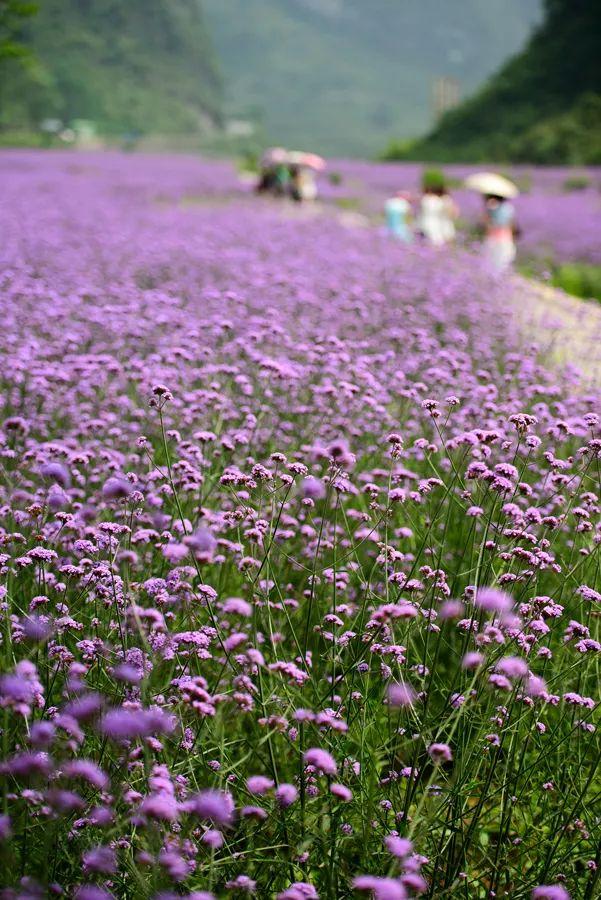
446 94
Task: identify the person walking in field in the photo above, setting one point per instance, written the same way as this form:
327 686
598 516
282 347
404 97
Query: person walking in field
500 232
438 211
302 184
500 229
398 214
274 175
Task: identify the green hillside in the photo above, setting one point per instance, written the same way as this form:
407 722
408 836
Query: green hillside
139 65
344 76
543 106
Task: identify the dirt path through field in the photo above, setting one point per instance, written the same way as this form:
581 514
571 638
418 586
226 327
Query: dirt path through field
568 328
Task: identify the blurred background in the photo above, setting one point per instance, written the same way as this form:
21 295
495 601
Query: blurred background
386 90
468 80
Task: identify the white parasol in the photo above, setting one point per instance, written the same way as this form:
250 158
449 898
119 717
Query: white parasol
491 183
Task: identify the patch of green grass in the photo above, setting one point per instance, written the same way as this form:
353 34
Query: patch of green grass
348 202
580 279
576 183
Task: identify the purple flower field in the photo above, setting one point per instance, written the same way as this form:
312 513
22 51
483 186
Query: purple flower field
299 544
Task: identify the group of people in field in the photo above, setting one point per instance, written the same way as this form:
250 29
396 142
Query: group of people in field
289 173
432 218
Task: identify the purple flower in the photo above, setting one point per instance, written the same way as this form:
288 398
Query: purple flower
321 760
131 724
398 846
236 606
242 883
253 812
259 784
300 890
21 690
161 806
313 488
203 544
37 628
57 498
100 859
550 892
128 673
28 764
402 694
213 838
440 753
380 888
64 801
286 795
340 453
84 708
342 792
414 882
88 770
101 816
493 600
472 660
175 552
57 472
512 666
215 806
117 487
500 681
535 686
174 864
451 609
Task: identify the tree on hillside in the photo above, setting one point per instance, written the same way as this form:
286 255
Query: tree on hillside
127 65
12 14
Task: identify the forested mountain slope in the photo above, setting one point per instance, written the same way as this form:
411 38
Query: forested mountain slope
143 65
543 106
344 76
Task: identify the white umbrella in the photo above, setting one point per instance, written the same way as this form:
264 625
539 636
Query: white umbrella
491 183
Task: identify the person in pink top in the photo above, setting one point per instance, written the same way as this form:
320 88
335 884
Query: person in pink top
500 232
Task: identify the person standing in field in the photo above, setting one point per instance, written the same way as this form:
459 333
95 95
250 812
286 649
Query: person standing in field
438 211
500 232
398 213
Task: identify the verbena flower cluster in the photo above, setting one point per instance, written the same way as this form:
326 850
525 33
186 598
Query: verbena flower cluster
299 546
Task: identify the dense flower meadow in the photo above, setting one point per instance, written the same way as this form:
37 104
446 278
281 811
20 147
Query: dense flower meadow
299 549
